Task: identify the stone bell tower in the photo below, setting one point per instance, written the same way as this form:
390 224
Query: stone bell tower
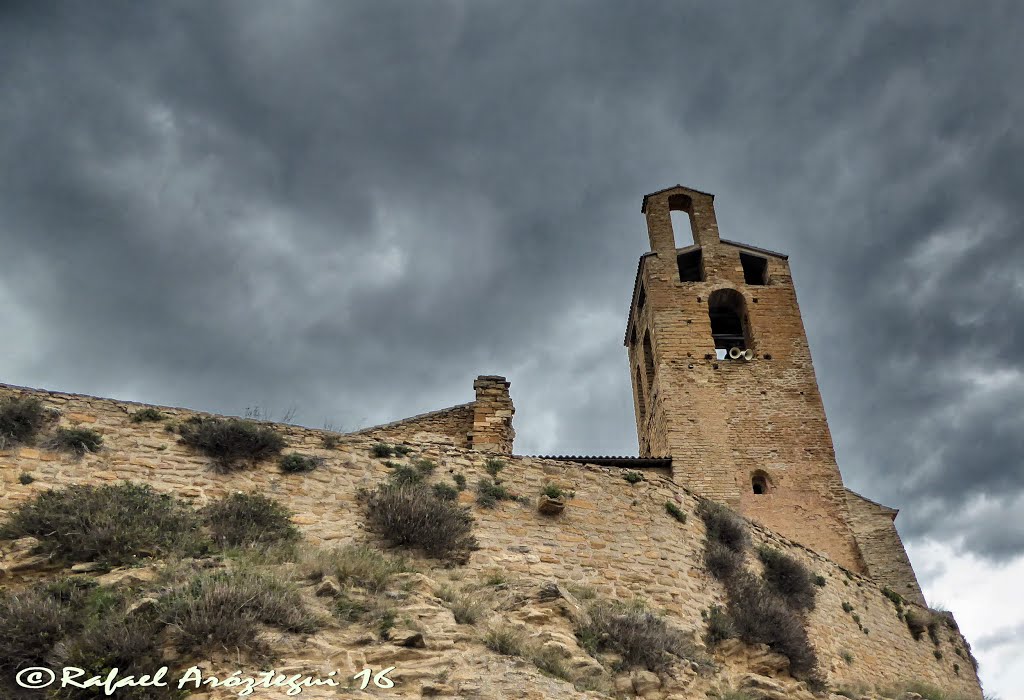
723 381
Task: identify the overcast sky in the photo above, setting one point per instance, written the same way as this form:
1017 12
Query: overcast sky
353 209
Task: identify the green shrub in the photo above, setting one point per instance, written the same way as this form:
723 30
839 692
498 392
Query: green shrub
355 565
112 524
819 581
633 477
638 635
401 450
147 415
295 463
77 441
403 474
25 479
719 626
488 493
493 466
761 616
723 525
349 609
410 515
460 481
330 441
467 609
847 608
895 597
917 622
788 577
445 492
552 491
232 443
247 519
673 510
223 610
21 419
424 466
382 449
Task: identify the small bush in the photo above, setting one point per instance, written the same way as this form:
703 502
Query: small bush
401 450
21 419
113 524
819 581
723 525
115 640
493 466
761 616
552 491
719 626
721 561
847 608
410 515
77 441
247 519
232 443
638 635
445 492
25 479
223 610
917 622
403 474
847 657
505 640
31 623
382 450
467 609
424 466
788 577
349 609
295 463
673 510
355 565
330 442
460 481
147 415
549 662
633 477
488 493
895 597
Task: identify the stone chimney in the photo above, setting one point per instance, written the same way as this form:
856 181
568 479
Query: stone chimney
492 416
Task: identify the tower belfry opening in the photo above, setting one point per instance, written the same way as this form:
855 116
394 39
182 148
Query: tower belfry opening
726 309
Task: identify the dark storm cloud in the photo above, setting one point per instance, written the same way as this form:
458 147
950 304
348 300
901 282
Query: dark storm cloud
354 208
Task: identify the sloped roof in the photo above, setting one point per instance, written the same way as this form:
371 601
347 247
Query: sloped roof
606 461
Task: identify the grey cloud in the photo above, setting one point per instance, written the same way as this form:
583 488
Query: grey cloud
355 208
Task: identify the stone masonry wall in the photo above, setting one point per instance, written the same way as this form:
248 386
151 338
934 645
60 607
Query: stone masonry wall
883 550
455 423
492 416
613 536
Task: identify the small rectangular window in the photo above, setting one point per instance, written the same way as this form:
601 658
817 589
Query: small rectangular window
691 268
755 269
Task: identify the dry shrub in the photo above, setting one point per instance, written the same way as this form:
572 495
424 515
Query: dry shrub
247 519
411 515
355 565
21 419
762 616
232 443
722 562
638 635
723 525
223 610
77 441
31 623
788 577
112 524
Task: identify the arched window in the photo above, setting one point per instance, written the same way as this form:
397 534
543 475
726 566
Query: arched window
649 362
728 314
760 483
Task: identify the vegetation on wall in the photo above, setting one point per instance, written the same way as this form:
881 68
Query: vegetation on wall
112 524
411 515
21 420
77 441
232 443
245 520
